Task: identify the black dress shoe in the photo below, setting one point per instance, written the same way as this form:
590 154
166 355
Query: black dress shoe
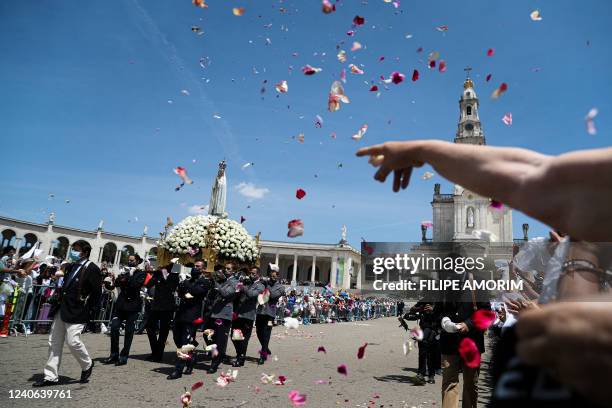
261 360
121 361
175 374
238 362
86 374
212 369
44 383
188 371
111 360
432 380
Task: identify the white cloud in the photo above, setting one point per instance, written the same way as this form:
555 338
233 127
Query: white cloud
198 209
251 192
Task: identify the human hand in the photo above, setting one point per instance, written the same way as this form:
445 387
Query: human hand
573 341
188 295
462 327
399 157
519 305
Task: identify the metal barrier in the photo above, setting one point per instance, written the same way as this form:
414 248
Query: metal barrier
30 312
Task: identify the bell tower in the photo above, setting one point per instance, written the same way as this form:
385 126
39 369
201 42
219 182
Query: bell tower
469 129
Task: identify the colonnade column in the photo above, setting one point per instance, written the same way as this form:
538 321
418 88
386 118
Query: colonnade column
314 268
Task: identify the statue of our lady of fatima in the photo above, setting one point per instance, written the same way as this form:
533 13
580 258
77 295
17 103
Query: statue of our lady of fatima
219 193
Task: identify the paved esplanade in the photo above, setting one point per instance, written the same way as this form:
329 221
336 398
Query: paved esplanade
384 371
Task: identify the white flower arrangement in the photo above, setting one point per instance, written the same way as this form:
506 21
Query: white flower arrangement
231 240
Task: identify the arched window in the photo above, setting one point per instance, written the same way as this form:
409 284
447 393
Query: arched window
108 253
8 238
126 251
468 110
29 241
60 247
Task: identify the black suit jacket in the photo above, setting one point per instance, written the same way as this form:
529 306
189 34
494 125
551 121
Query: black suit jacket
129 299
190 309
163 299
80 293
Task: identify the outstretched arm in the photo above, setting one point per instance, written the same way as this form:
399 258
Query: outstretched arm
571 192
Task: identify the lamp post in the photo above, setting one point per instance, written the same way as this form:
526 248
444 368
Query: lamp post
525 231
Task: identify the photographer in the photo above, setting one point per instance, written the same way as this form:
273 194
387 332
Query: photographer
127 307
245 308
428 315
191 292
71 310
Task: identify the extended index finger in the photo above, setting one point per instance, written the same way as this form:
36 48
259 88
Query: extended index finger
370 150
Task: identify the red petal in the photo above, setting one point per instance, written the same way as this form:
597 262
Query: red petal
361 351
469 352
342 369
415 75
197 385
490 52
483 318
488 78
300 193
198 321
442 66
358 20
503 87
432 64
321 349
242 219
374 88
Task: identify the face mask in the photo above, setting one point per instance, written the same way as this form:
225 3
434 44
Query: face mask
195 273
75 255
131 264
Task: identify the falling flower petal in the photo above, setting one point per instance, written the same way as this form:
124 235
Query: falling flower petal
182 173
416 333
297 399
427 224
237 335
398 77
263 297
415 75
427 175
238 11
358 20
205 62
328 7
497 93
282 87
442 66
488 78
299 194
355 69
321 349
469 352
590 123
374 88
249 164
309 70
336 95
318 122
496 205
360 133
356 46
199 3
507 119
185 92
442 28
296 228
242 219
483 318
361 351
341 56
407 346
281 380
342 369
535 15
490 52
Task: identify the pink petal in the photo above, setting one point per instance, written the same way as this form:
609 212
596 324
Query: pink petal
415 75
483 318
488 78
296 228
342 369
490 52
296 398
469 352
321 349
442 66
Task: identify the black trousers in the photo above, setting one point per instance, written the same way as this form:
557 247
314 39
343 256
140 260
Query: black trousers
263 328
429 354
246 326
158 320
183 334
222 332
130 320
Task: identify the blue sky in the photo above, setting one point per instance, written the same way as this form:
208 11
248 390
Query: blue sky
85 112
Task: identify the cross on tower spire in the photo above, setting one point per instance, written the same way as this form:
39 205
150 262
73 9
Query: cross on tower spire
467 72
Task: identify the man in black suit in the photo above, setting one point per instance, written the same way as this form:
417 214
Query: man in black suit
127 307
191 293
246 310
266 313
79 292
164 283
